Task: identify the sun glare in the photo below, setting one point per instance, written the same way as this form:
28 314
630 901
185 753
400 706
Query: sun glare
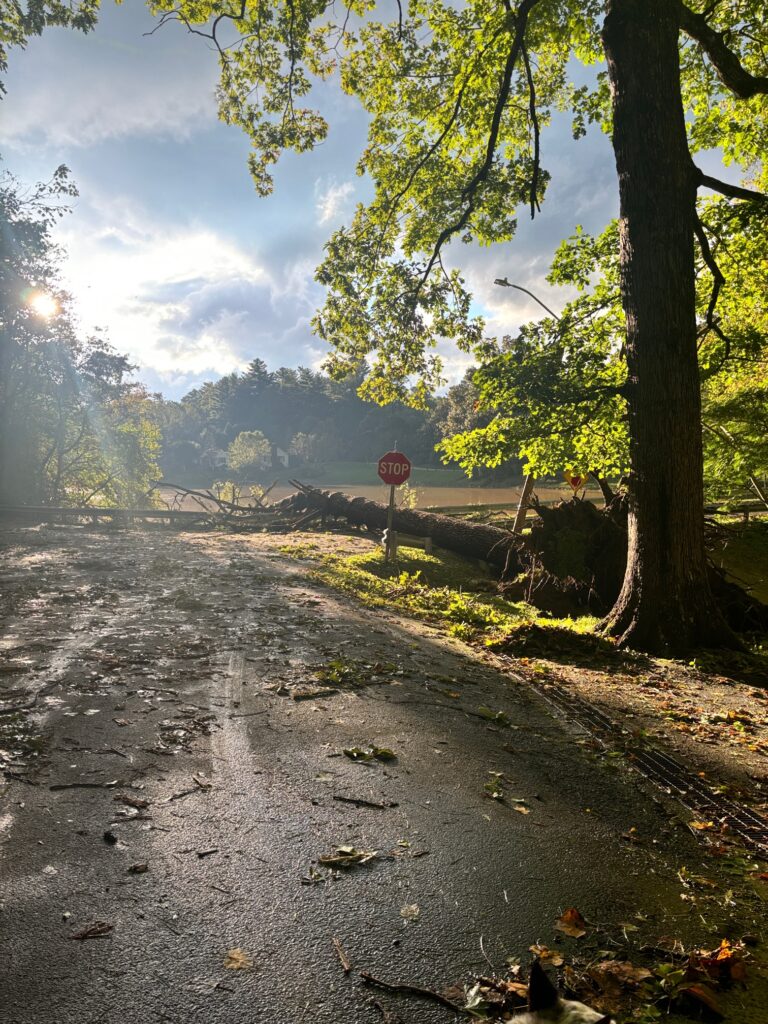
44 305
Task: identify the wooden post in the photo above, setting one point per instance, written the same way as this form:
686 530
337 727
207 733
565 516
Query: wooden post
522 508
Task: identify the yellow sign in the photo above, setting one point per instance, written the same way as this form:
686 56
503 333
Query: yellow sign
576 480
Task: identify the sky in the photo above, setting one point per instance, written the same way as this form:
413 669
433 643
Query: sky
170 250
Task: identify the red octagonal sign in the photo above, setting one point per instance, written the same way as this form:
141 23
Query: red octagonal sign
394 468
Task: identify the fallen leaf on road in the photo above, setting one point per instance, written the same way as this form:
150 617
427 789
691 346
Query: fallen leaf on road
546 955
613 976
347 857
521 808
410 911
500 717
138 869
571 923
370 753
706 997
237 960
723 964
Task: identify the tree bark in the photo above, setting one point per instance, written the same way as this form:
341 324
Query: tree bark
665 605
605 488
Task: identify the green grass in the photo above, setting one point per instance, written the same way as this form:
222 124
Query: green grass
307 551
437 570
439 588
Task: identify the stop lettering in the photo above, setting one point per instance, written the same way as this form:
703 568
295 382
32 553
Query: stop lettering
394 468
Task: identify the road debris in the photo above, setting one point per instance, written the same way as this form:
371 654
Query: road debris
571 923
361 802
387 1016
347 857
85 785
343 958
137 802
414 990
93 931
237 960
493 788
370 753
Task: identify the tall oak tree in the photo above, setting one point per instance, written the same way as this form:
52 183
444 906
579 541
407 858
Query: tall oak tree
458 97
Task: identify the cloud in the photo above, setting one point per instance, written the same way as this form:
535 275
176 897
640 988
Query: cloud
332 203
583 190
110 84
184 302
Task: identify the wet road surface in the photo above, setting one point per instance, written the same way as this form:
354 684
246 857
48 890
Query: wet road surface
167 669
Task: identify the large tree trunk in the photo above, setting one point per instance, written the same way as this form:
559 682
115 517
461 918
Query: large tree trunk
665 605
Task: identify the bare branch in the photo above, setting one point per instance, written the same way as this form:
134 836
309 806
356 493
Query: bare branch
734 191
481 174
732 73
536 133
176 15
717 283
394 203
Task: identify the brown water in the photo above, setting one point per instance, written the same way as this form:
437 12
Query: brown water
430 497
425 497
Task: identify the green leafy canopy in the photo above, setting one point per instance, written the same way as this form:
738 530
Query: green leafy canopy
458 97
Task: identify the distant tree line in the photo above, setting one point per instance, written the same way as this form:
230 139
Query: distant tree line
251 420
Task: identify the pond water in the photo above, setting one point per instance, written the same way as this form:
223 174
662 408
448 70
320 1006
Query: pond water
417 497
442 497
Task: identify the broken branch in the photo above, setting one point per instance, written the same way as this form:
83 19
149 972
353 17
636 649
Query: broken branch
414 990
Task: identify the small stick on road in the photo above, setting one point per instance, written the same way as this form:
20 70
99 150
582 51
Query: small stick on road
85 785
359 802
414 990
343 958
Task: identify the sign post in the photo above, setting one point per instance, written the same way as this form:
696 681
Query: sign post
394 468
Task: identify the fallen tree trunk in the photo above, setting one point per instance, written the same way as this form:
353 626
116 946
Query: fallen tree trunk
488 543
573 561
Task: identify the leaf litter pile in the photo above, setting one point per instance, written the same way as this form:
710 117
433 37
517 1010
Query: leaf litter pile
640 984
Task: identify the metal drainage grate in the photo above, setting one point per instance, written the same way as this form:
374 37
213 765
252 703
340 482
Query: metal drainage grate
665 771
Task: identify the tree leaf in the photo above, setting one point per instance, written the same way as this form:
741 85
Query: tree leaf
571 923
237 960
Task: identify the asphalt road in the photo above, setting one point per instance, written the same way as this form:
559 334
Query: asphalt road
166 669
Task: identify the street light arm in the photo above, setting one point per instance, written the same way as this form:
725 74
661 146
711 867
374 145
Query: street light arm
504 283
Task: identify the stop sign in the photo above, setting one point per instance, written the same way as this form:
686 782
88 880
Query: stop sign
394 468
